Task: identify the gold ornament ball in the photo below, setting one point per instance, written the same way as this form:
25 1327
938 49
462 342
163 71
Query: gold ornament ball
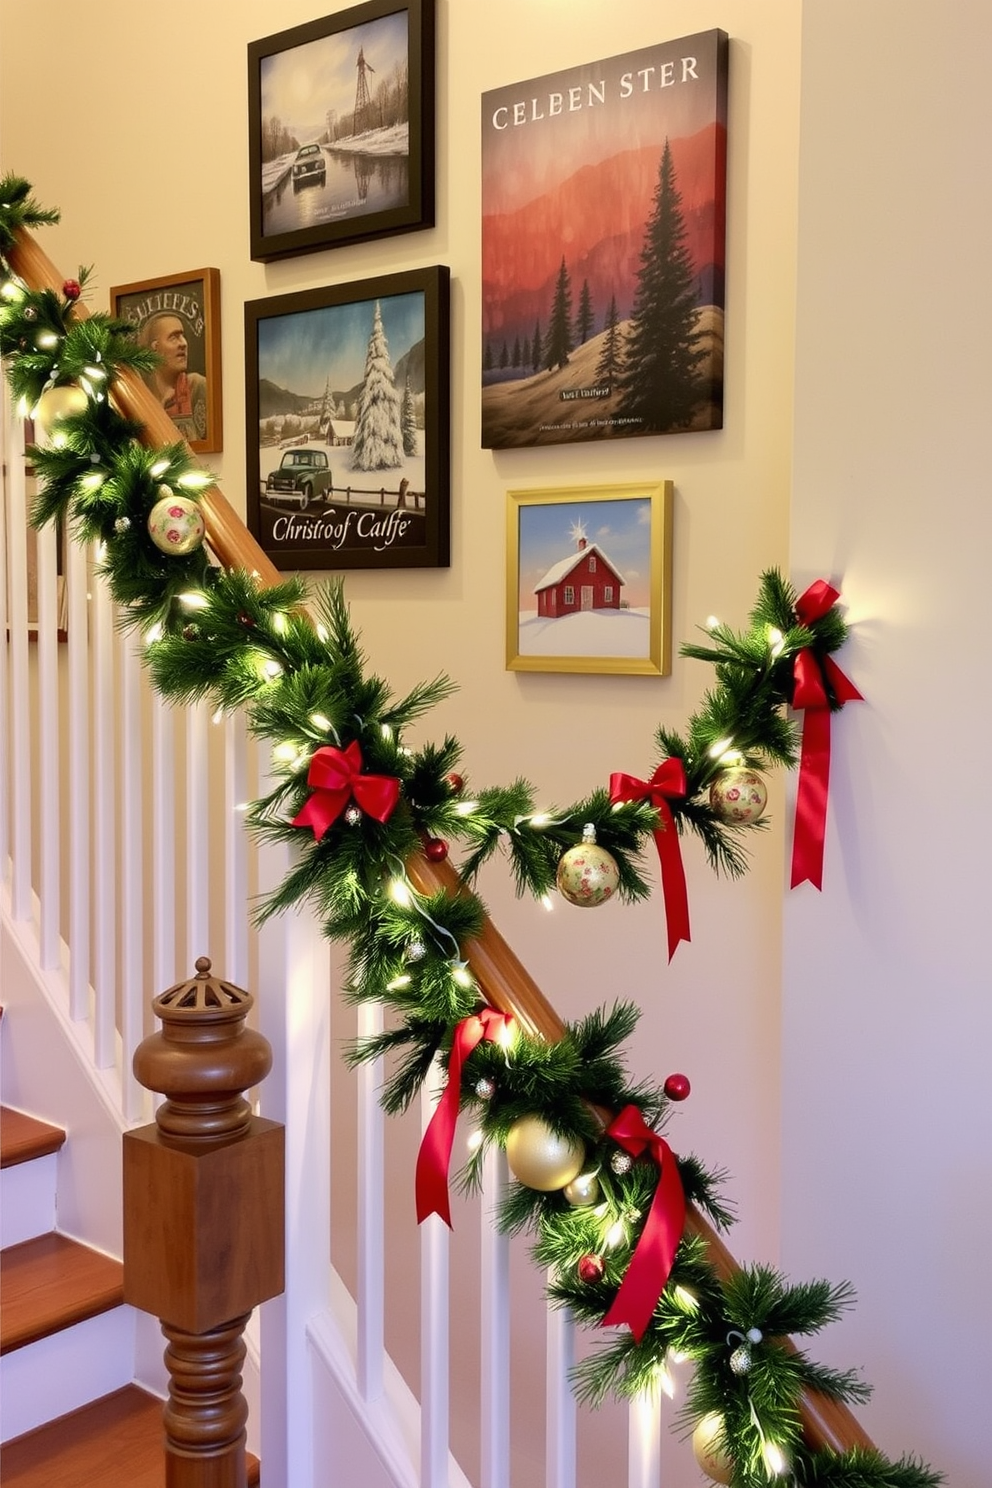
582 1191
739 795
708 1448
57 403
175 525
540 1158
587 875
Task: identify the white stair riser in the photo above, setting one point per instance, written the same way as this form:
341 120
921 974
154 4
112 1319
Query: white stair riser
27 1200
66 1370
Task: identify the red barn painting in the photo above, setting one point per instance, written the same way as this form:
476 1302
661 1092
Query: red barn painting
585 580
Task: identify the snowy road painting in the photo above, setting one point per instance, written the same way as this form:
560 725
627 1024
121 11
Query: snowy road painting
587 580
348 392
339 138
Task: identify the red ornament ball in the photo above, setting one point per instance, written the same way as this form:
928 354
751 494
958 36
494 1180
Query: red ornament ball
455 783
72 289
677 1087
436 849
591 1268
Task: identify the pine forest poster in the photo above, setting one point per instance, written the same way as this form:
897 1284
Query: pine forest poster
603 222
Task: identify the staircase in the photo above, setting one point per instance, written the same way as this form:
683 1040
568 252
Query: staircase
69 1412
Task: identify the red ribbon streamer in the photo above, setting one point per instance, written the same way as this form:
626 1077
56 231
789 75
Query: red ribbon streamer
667 783
651 1264
335 777
434 1157
810 694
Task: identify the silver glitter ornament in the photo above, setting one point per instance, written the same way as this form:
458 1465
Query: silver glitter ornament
415 951
353 816
485 1088
740 1359
122 524
621 1162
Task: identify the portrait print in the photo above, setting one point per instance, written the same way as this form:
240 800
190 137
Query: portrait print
178 318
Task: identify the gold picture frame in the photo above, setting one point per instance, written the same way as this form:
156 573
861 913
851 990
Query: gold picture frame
571 552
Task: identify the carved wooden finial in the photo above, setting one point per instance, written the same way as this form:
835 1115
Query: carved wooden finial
203 1058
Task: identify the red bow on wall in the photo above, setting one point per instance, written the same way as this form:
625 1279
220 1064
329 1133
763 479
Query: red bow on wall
335 776
667 783
811 676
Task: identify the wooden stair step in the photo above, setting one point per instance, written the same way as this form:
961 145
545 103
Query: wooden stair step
116 1442
23 1137
50 1283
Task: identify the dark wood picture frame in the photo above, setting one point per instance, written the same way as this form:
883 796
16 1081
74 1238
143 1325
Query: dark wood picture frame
357 160
192 299
332 484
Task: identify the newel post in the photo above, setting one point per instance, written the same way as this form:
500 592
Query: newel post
203 1218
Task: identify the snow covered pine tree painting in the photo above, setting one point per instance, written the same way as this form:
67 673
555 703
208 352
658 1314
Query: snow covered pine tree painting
351 406
622 162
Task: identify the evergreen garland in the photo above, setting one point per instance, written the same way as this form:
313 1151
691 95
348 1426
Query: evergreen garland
304 684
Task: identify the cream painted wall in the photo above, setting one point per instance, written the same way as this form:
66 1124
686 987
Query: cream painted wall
887 1150
132 119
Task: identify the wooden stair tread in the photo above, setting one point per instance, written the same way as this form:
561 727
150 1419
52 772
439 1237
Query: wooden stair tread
50 1283
116 1442
23 1137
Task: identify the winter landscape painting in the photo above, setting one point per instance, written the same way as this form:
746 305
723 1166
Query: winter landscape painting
588 579
348 423
603 227
341 128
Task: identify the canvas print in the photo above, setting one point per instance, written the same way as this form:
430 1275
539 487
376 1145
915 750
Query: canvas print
604 205
588 579
340 123
348 423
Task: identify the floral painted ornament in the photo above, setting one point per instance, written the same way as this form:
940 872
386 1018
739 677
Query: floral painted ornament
175 525
587 874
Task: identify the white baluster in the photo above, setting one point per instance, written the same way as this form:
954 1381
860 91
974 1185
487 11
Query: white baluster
371 1180
495 1377
9 451
164 882
294 1014
433 1328
77 579
560 1402
47 754
20 719
105 875
134 783
644 1440
235 851
197 836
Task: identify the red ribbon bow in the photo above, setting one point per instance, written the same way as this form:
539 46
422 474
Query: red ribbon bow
335 777
651 1264
667 783
811 676
434 1157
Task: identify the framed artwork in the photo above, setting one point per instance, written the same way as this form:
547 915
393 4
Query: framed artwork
341 128
348 423
603 228
179 317
588 579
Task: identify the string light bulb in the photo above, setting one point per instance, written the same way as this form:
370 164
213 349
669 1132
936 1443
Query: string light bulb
399 892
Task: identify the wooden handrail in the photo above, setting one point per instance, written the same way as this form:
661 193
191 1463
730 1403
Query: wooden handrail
504 981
